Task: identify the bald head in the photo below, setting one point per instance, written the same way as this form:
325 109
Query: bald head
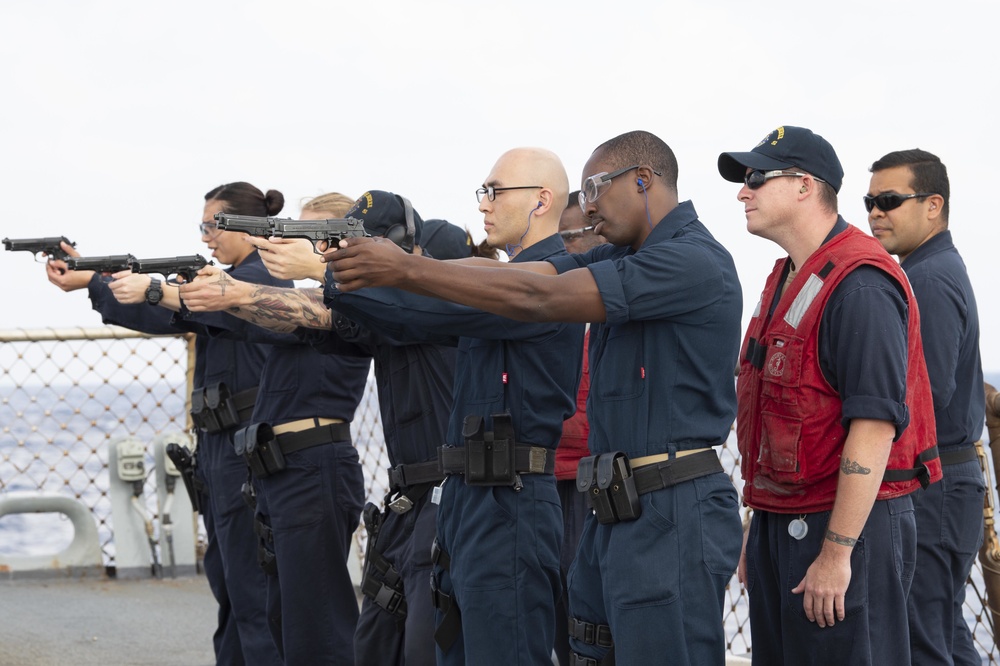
537 166
529 187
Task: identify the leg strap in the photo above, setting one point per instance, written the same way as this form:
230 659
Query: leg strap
579 660
591 634
386 593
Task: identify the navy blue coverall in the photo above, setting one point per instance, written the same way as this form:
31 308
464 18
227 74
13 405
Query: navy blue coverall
949 513
307 513
503 541
237 583
661 381
415 398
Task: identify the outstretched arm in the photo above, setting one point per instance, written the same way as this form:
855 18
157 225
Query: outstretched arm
535 293
275 308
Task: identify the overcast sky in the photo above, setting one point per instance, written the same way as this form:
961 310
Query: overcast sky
117 117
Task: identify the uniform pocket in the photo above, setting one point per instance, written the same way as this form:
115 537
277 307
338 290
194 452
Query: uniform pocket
779 447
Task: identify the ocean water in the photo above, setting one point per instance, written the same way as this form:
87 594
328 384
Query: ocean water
55 439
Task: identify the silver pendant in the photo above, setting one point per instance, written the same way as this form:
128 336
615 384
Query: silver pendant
798 529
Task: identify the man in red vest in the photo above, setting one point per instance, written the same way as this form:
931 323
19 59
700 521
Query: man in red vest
834 419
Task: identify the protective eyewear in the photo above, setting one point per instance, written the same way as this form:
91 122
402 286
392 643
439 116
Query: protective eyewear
574 234
490 192
210 229
596 185
890 200
757 178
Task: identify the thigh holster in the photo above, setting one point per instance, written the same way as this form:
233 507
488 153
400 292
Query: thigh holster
450 627
608 481
381 581
266 558
185 462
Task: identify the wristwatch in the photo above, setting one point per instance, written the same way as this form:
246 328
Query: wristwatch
154 293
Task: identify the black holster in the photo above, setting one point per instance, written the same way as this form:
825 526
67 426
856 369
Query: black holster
380 580
213 408
258 446
266 559
489 454
185 463
607 479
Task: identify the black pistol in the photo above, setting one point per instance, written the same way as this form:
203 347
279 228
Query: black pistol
185 267
48 246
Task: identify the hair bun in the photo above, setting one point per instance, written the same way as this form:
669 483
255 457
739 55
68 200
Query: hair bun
274 201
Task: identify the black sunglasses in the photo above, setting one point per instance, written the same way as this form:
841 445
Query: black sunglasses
890 200
758 177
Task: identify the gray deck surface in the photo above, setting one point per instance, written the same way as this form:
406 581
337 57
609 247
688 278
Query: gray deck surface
58 622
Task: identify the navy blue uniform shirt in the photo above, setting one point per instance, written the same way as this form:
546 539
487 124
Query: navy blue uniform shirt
662 365
540 361
296 381
414 386
949 325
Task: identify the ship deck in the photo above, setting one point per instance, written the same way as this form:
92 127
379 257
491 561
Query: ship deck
54 621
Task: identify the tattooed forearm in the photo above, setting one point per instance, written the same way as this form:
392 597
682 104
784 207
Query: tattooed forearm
840 539
284 310
848 466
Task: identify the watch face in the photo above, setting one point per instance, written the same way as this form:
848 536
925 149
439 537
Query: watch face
154 293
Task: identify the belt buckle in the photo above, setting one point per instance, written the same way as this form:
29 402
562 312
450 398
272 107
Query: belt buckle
536 458
401 504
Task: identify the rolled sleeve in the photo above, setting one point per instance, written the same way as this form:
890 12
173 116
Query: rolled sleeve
609 284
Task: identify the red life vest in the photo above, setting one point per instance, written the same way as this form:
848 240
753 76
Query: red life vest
788 421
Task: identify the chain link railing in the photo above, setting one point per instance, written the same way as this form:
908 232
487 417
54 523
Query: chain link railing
66 394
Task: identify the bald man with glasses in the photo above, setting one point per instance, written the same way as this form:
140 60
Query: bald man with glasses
496 575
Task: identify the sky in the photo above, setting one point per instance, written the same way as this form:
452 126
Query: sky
117 117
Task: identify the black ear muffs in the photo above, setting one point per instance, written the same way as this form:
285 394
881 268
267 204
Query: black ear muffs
400 235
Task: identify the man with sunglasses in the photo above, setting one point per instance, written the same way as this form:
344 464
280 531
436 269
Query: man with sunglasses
908 207
834 418
664 301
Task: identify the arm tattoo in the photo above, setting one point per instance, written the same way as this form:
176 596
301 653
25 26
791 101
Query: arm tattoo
848 466
840 539
284 310
223 280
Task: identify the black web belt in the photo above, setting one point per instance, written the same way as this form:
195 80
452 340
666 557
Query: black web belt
290 442
451 460
613 486
668 473
414 474
958 455
527 460
214 410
